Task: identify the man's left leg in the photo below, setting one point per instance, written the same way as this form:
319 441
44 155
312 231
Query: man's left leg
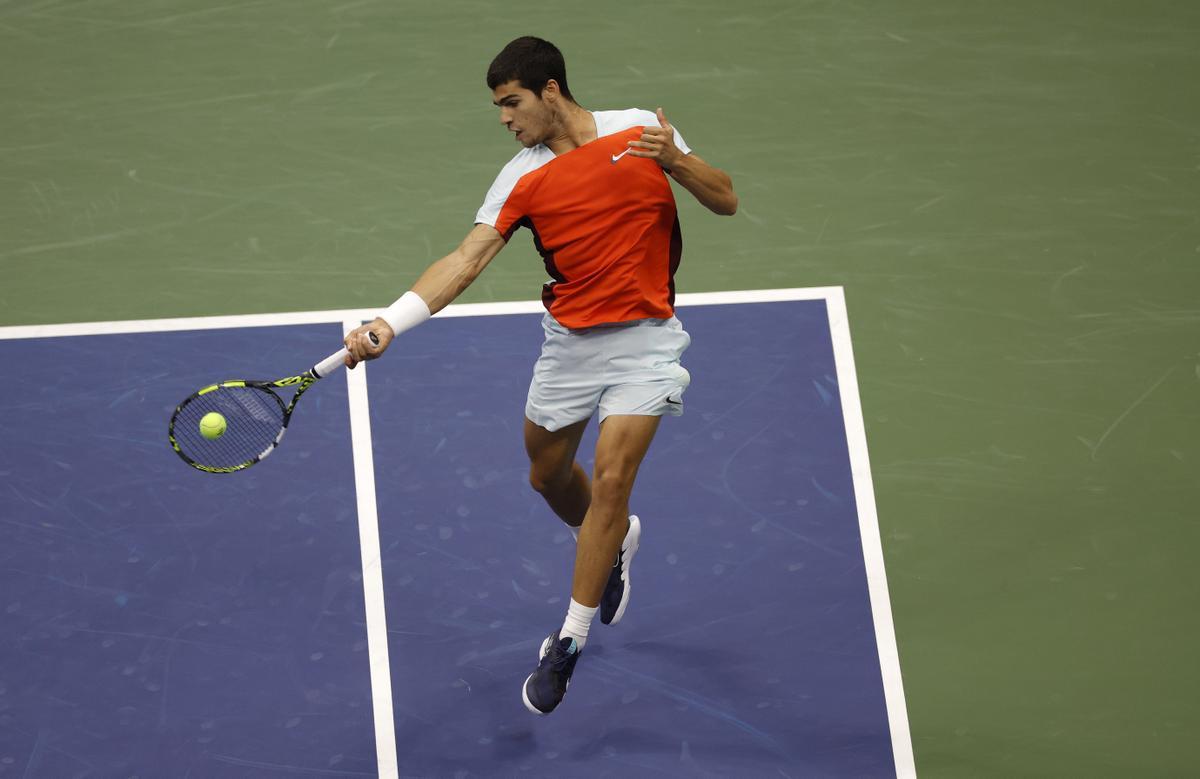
623 442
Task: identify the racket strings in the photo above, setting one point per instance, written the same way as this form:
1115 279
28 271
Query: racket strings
253 418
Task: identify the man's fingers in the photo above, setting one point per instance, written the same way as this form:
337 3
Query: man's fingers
662 118
641 145
357 344
360 346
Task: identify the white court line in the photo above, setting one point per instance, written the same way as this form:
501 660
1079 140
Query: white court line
868 529
856 439
363 314
182 323
372 568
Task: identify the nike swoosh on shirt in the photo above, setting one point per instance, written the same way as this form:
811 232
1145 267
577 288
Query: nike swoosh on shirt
616 157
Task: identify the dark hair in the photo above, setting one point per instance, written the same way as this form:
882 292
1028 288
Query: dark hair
531 62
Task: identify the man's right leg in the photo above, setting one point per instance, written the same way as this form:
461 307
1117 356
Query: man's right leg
553 472
555 475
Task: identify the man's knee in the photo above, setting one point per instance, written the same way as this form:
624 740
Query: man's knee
549 479
619 453
612 484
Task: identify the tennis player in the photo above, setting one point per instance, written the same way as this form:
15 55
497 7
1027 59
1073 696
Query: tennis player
592 187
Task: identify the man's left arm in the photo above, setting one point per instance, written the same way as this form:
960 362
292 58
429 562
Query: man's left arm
711 186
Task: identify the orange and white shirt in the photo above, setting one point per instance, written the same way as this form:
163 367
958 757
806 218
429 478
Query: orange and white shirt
604 222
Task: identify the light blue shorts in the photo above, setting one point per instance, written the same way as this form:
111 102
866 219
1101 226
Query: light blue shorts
631 368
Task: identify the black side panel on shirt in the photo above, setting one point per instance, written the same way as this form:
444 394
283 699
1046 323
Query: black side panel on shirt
548 259
676 256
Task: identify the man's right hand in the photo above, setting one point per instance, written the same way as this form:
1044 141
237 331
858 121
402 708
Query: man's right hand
358 342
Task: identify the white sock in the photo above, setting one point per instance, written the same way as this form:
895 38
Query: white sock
579 619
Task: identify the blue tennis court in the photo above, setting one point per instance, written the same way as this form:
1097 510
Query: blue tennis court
157 621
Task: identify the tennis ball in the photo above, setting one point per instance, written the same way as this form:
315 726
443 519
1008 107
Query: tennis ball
212 425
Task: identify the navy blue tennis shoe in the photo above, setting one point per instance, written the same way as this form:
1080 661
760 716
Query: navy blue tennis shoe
545 687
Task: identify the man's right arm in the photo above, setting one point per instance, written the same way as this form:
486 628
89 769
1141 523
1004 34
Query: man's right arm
437 287
445 280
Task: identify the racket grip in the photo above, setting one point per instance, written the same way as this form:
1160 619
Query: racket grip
330 363
337 360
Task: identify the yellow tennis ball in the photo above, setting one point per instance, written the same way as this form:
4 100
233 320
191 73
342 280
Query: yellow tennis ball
212 425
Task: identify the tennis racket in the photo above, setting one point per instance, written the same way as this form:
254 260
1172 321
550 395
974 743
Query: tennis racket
256 418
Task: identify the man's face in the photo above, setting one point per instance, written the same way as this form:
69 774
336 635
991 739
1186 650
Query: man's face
523 113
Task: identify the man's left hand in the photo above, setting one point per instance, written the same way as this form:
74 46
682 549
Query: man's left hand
658 144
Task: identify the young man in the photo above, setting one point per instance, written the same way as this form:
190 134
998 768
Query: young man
593 189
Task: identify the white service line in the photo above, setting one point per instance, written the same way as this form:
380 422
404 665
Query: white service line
372 567
868 528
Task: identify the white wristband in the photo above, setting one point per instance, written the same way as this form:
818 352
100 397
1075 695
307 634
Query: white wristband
406 313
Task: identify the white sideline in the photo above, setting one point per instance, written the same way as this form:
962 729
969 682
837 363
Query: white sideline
868 528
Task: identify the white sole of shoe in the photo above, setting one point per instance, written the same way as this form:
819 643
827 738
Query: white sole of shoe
525 698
